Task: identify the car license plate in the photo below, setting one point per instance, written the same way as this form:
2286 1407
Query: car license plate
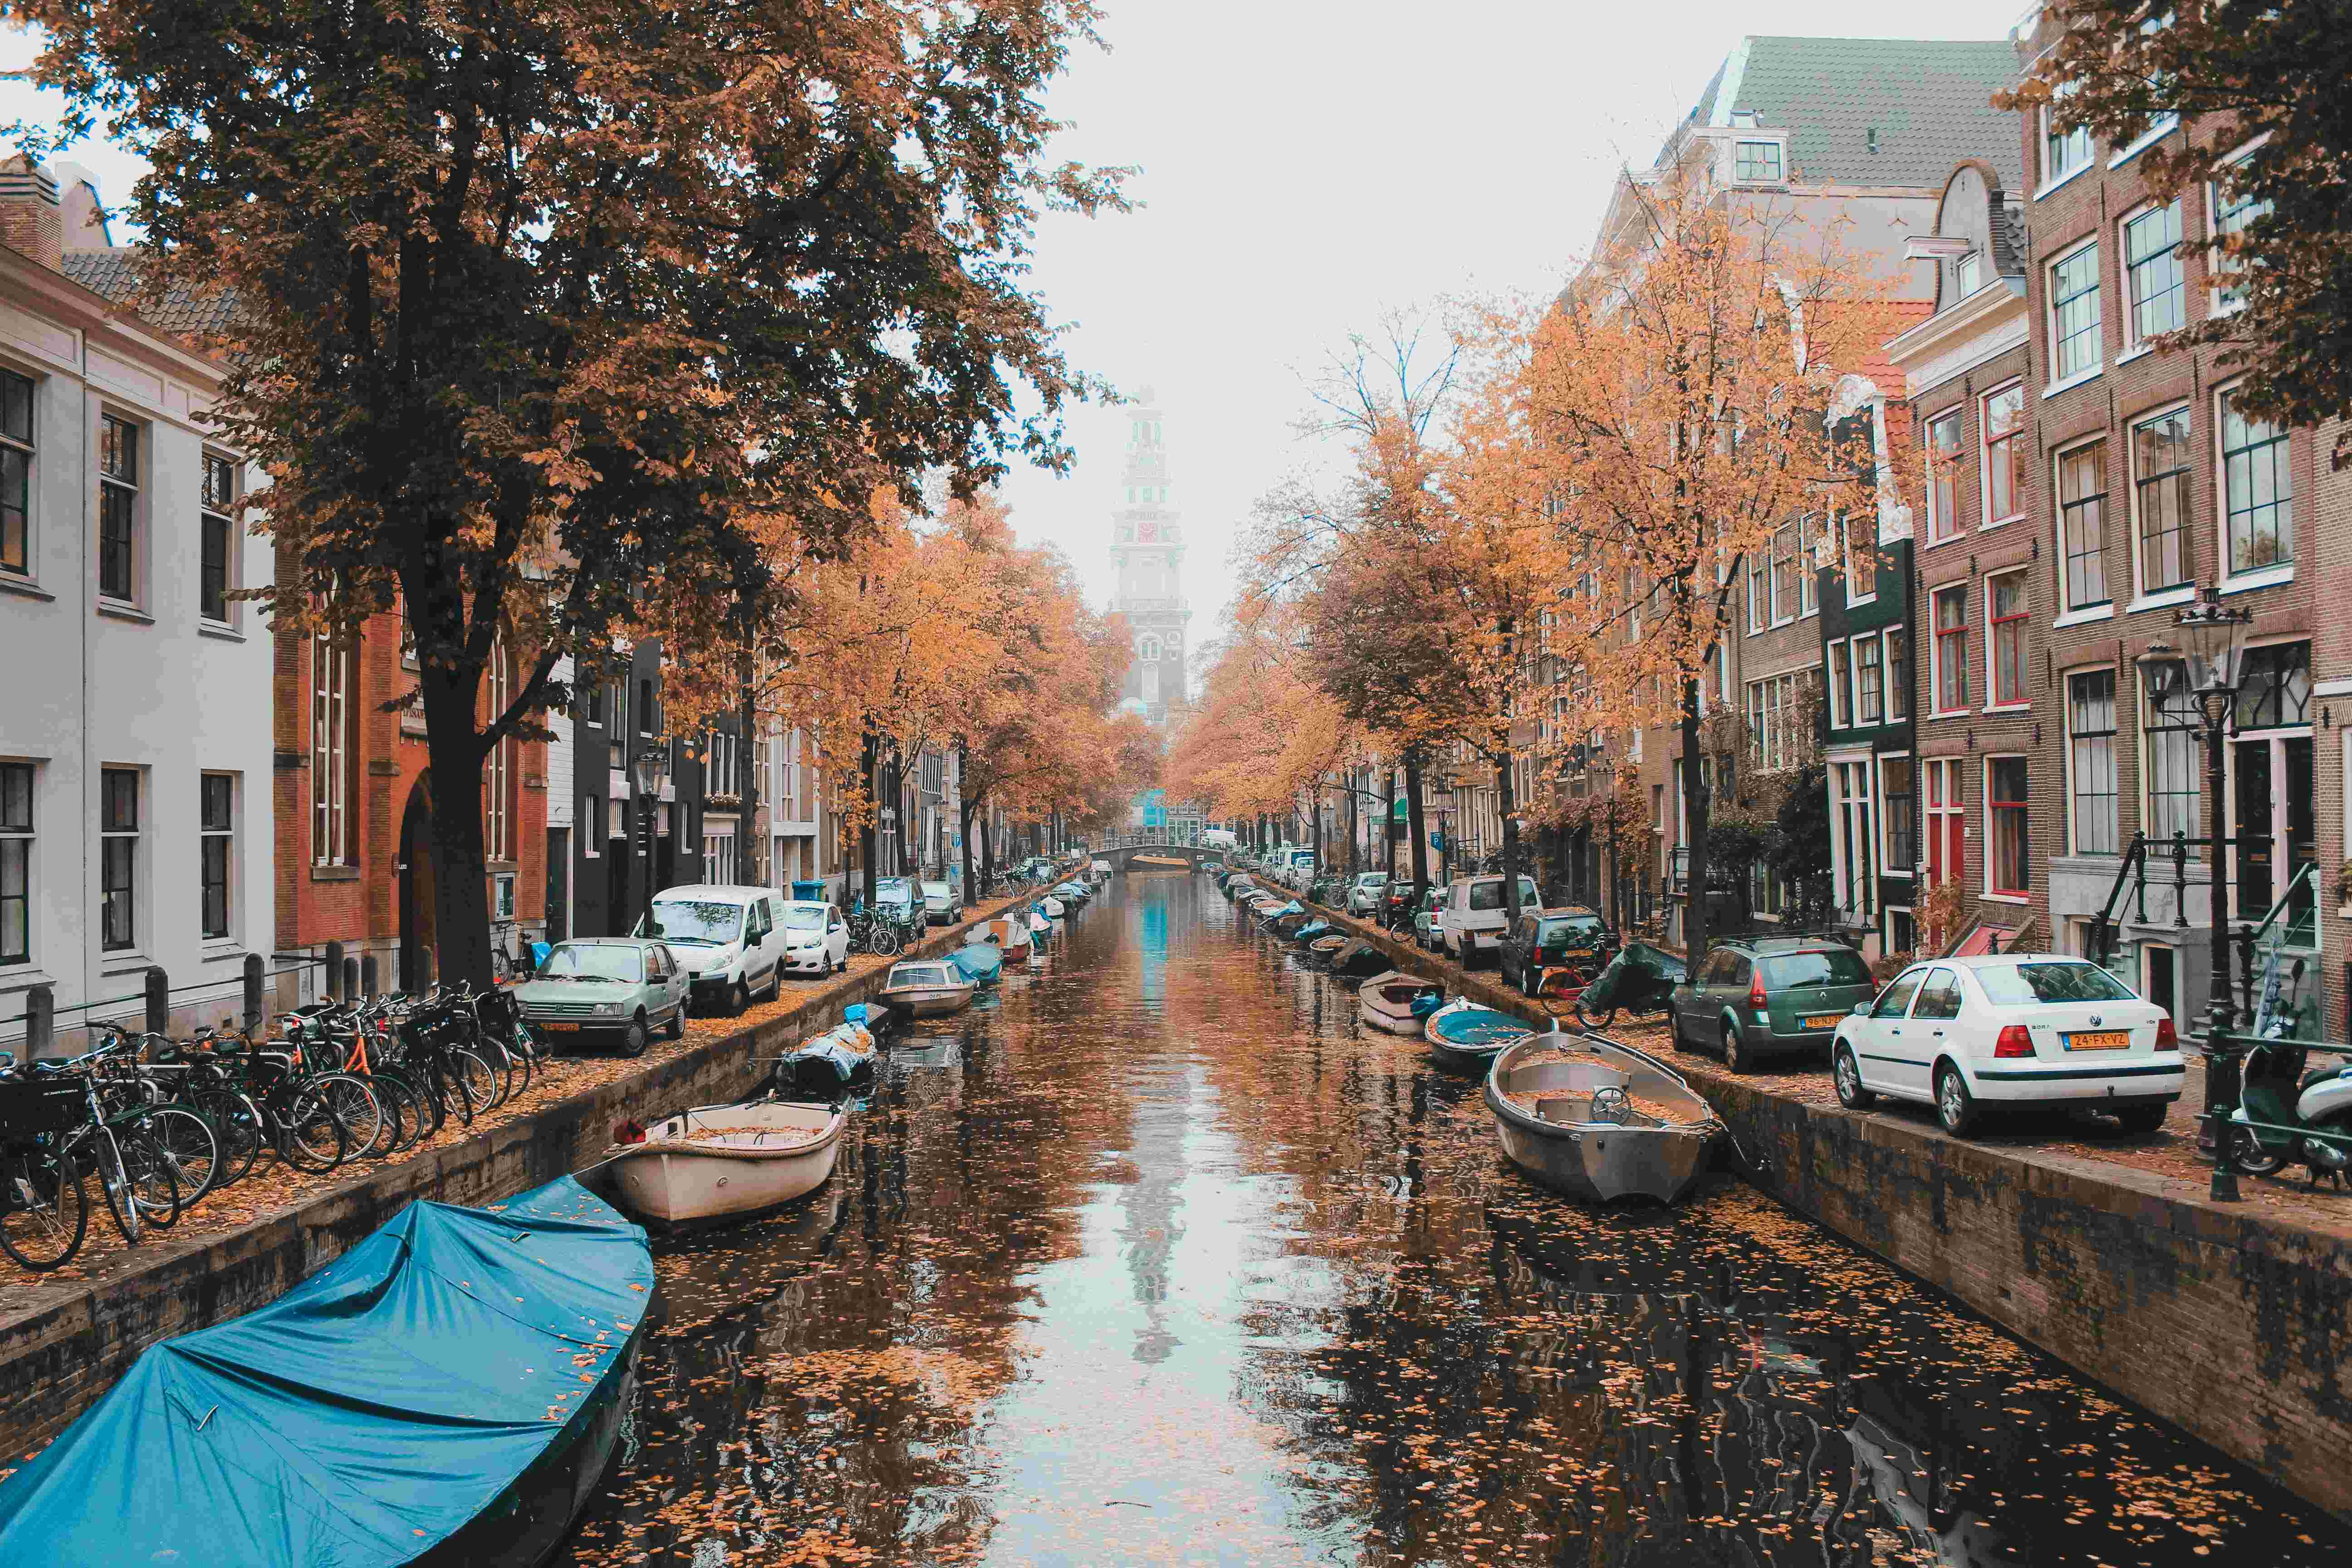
1823 1020
1576 952
2100 1041
559 1026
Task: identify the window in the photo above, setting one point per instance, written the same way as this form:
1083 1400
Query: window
1777 715
1947 855
2155 288
2074 345
1853 846
15 863
1951 649
1898 675
1809 585
2064 152
2171 734
216 501
2004 421
2274 686
1968 274
1943 476
2082 523
334 751
2234 212
1758 591
1784 575
118 807
1900 819
1838 708
1757 161
1857 550
498 774
118 507
2008 866
2091 760
2160 498
2005 608
217 849
1869 696
16 472
2258 490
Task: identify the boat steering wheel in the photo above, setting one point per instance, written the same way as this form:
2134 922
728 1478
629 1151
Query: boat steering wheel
1612 1104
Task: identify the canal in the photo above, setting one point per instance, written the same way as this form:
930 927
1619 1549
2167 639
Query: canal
1161 1257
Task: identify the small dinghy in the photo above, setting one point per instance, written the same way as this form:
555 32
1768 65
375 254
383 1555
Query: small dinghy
1330 947
1314 930
1009 937
982 963
928 988
1386 1002
1466 1036
1597 1120
1052 908
1358 959
716 1161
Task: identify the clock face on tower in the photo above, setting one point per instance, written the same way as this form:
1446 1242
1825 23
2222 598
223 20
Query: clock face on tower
1150 532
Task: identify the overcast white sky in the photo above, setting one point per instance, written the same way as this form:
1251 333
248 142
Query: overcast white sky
1303 165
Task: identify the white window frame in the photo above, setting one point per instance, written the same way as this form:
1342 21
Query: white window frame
2233 582
334 691
2066 756
226 513
142 469
29 449
1808 566
2052 179
2061 381
2135 344
498 774
27 834
2143 597
2016 443
1936 820
1886 866
1852 562
1838 666
1853 820
2218 299
226 836
2070 613
1940 529
1887 661
135 836
1992 840
1856 710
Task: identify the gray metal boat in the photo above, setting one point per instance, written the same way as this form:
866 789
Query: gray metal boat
1597 1120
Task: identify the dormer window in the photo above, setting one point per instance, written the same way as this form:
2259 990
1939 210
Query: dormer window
1967 273
1758 161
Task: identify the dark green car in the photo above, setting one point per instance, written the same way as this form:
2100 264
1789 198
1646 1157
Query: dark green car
1768 996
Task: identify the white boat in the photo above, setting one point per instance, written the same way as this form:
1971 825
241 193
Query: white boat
1598 1119
928 988
1385 1002
1013 936
1052 908
1102 871
720 1159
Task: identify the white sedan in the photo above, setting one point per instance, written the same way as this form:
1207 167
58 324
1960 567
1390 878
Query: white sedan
816 939
1956 1033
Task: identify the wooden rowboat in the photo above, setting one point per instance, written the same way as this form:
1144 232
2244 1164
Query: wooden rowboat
1598 1119
1385 1002
1328 946
1466 1036
717 1161
1160 860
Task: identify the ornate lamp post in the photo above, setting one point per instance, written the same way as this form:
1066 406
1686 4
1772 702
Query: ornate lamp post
650 767
2214 649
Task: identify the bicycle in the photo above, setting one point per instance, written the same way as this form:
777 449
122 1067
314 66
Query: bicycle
44 1207
185 1135
134 1176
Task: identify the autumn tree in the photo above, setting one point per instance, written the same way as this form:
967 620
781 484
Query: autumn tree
2230 72
541 304
1668 414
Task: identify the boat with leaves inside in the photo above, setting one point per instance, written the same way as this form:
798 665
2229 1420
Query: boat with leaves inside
1600 1119
722 1161
1397 1003
927 988
1467 1038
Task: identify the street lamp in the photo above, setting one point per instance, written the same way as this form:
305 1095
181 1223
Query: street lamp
651 765
2205 671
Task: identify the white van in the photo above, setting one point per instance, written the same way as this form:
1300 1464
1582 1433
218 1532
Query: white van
729 941
1476 915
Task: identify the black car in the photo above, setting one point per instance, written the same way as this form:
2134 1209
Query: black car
1569 936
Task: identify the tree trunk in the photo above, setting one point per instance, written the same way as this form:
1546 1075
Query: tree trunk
1322 864
757 862
1504 797
869 760
1696 805
1413 826
1388 816
1355 835
461 895
968 809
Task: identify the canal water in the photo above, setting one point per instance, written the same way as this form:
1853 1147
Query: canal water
1161 1257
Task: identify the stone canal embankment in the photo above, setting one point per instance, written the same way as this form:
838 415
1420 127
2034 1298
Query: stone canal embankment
2229 1319
63 1349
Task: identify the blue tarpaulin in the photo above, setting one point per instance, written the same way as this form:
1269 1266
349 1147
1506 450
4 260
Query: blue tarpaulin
361 1418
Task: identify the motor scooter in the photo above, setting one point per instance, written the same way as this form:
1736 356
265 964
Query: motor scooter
2288 1114
1640 979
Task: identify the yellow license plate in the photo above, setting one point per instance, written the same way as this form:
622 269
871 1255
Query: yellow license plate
559 1025
1577 952
2100 1041
1823 1020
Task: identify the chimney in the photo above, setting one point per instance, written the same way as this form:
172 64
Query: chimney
84 216
30 223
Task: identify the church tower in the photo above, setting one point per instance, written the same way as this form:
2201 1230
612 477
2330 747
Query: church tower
1147 548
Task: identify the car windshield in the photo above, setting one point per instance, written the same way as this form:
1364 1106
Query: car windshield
804 917
1373 879
1565 927
1820 966
935 890
2022 985
583 960
894 891
702 922
917 974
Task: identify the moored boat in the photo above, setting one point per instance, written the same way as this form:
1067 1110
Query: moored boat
1598 1119
716 1161
1010 937
449 1390
1052 908
982 963
1466 1036
1386 1002
1309 931
1329 946
1358 959
928 988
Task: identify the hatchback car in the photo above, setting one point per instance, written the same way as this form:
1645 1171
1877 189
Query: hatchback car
1768 996
943 905
1959 1033
1570 936
615 989
1429 922
816 939
1364 896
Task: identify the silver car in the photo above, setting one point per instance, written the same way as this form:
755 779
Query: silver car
1364 896
943 905
615 989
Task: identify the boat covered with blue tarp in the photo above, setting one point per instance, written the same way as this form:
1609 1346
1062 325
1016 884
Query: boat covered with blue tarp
448 1391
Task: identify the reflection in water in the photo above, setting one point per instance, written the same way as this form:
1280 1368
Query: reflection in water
1163 1258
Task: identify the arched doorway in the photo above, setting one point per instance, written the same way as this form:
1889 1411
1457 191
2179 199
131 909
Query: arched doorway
416 886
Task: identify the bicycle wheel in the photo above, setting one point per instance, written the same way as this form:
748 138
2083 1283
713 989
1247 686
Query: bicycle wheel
44 1209
192 1145
239 1121
154 1181
310 1137
105 1155
886 943
355 1104
479 1082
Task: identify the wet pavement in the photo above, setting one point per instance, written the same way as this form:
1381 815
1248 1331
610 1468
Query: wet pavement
1161 1257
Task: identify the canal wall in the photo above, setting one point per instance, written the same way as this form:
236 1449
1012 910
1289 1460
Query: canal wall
2231 1322
58 1358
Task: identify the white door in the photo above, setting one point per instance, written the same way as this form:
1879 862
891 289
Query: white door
1878 1038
